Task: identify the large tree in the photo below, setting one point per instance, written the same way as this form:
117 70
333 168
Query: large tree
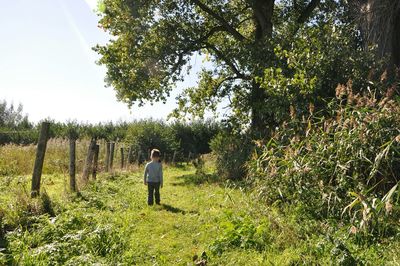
379 22
156 39
266 55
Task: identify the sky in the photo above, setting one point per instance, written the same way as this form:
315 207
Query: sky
47 64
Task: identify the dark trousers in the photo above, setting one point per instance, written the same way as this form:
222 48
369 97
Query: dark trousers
153 190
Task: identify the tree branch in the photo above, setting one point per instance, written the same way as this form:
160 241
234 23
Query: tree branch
305 15
224 80
222 57
194 46
221 20
209 34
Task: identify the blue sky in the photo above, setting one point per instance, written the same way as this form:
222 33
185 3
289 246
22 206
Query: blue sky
46 63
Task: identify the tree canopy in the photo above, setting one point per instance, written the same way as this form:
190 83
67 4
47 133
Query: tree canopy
266 55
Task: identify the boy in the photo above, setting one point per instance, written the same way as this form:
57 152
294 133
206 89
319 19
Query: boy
153 177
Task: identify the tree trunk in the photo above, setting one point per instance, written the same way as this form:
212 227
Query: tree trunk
380 26
72 165
259 123
396 39
263 13
40 153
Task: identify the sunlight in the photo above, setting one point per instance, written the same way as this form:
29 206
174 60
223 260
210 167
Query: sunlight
92 4
71 21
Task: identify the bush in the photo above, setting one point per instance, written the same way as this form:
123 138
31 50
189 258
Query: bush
317 161
180 138
146 135
231 151
194 137
242 232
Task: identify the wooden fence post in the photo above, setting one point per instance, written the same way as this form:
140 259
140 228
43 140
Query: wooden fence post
174 158
122 158
95 161
130 157
111 163
138 157
108 151
89 160
72 165
40 153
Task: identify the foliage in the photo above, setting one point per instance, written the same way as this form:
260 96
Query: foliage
231 151
322 56
146 135
316 162
154 42
14 125
195 137
241 232
109 223
182 138
13 118
19 160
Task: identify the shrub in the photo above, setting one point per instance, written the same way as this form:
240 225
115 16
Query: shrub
194 137
231 151
319 160
146 135
241 232
179 138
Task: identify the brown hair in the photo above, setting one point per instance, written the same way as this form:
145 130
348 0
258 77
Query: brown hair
155 153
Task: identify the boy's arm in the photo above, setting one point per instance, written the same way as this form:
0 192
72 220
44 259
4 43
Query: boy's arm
145 175
161 176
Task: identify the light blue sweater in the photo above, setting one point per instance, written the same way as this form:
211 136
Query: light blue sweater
153 172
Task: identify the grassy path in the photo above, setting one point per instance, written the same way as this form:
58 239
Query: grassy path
111 224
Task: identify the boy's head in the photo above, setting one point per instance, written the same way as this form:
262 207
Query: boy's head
155 154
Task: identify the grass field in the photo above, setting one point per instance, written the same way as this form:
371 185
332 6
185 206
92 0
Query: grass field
109 223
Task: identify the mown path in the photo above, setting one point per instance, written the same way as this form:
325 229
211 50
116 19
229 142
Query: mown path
111 224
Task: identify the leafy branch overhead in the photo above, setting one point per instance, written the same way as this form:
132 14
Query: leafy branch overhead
154 42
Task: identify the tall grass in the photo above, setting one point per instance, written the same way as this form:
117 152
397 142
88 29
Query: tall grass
19 159
325 162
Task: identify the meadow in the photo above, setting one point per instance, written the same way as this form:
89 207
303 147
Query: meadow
201 221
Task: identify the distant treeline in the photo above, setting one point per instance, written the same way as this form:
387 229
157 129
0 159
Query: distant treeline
141 135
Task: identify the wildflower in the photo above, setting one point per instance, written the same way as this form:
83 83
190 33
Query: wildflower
390 92
349 87
362 101
340 91
311 108
292 112
384 76
388 207
353 230
259 143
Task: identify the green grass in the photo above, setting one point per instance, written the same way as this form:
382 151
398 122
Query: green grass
170 234
109 223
